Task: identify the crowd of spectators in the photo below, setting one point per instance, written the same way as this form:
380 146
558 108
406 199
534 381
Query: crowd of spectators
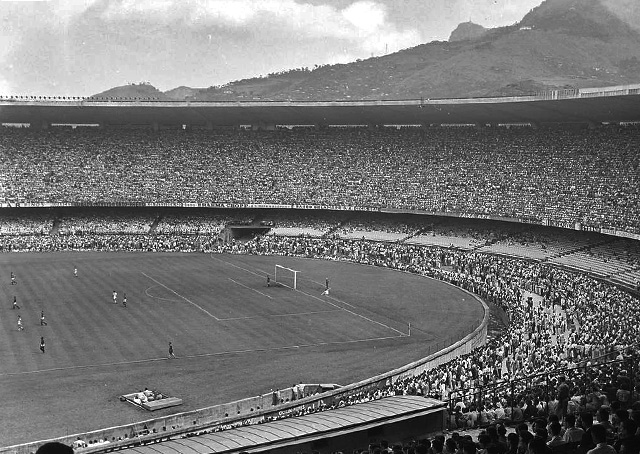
25 224
577 319
558 320
197 222
580 434
107 243
319 222
387 224
557 176
90 222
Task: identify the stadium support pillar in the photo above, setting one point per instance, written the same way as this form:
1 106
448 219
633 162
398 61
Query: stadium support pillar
155 126
262 126
593 124
43 125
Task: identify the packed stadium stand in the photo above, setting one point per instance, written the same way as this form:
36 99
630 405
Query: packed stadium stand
570 297
557 177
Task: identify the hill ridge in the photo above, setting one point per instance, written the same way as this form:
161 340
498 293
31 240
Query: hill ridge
559 44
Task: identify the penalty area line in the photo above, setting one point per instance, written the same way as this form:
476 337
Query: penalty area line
322 300
249 288
278 315
184 298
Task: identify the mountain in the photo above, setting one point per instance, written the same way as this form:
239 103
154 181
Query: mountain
580 18
182 93
559 44
466 31
141 91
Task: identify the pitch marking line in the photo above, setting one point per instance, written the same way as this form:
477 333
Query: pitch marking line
249 288
146 292
201 355
319 299
184 298
277 315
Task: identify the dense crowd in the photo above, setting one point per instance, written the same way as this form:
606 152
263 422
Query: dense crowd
557 176
104 222
603 433
577 323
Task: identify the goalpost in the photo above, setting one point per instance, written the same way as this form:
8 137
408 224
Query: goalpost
286 277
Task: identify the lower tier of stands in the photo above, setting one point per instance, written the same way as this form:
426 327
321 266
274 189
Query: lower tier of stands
558 318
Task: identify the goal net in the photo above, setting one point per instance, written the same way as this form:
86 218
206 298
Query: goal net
286 277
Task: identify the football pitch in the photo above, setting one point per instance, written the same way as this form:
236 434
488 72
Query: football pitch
234 337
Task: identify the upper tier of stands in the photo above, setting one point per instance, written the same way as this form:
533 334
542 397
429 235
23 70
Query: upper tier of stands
552 176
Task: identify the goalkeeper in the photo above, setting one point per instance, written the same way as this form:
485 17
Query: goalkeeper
326 287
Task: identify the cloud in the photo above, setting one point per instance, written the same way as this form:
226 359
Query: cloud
5 87
365 16
364 24
85 46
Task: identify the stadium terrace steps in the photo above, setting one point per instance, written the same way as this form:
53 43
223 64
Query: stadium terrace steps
443 241
581 248
411 235
630 278
606 258
297 231
373 235
330 232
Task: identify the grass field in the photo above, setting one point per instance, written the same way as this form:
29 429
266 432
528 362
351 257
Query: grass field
234 337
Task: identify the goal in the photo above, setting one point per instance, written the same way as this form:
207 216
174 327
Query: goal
286 277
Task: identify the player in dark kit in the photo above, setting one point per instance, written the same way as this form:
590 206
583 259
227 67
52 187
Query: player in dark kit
124 300
268 281
42 344
171 355
42 322
15 304
326 287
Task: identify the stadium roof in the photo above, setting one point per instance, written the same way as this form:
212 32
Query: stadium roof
613 104
300 429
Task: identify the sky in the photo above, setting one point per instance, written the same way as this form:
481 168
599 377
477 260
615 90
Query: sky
83 47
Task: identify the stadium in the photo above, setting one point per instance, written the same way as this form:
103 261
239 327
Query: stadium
340 232
412 256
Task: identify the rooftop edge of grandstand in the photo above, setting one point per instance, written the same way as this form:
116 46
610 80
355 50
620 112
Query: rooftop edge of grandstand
593 92
585 105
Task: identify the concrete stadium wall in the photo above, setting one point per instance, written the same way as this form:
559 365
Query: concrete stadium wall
257 409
